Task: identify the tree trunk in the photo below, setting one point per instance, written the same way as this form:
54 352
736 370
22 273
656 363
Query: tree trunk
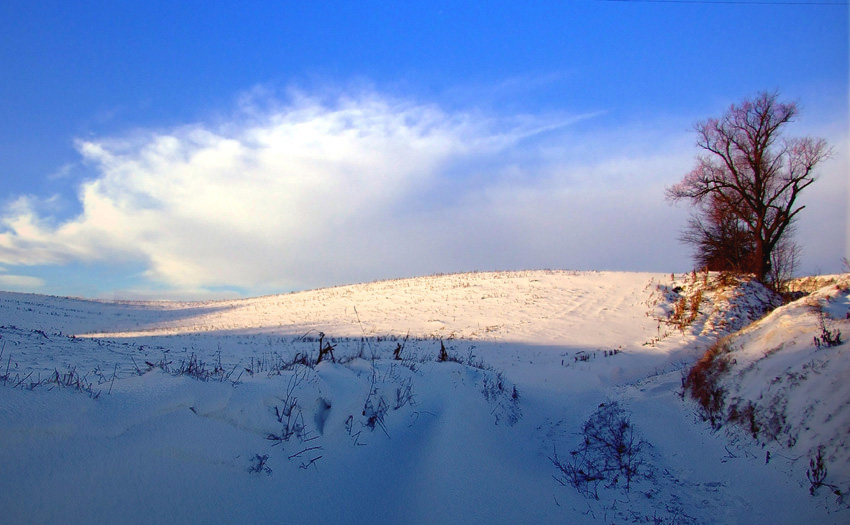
762 261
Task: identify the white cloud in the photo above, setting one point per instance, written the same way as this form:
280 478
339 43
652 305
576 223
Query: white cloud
63 172
247 202
310 194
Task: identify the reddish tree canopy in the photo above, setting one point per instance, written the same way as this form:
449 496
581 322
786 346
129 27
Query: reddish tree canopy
752 174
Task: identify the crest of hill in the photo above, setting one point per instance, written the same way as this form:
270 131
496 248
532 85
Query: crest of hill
542 306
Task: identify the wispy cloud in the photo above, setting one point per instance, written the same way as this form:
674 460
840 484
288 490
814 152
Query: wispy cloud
309 193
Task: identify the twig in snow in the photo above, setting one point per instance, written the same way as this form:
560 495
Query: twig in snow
372 352
313 461
113 378
308 449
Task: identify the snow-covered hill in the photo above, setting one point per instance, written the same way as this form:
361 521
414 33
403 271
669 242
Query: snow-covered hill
438 399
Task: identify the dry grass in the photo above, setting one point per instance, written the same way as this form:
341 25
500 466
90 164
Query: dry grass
703 382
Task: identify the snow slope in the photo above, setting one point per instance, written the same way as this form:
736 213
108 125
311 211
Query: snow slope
788 389
201 412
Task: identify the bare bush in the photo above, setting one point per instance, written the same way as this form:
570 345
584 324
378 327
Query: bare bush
289 415
817 471
610 453
828 337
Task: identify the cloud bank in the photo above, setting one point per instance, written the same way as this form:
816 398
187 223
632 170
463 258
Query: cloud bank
313 192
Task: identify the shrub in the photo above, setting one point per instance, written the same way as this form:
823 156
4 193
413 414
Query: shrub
817 471
686 308
72 379
703 382
746 416
827 338
610 453
259 465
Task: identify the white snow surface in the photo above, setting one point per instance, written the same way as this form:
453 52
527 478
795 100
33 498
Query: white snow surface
800 389
96 425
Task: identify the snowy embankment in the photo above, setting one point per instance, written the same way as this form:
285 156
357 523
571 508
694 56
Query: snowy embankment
785 381
438 399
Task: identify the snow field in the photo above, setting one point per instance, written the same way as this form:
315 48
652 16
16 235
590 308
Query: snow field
372 439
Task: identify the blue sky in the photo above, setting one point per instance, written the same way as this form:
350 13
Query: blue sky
211 149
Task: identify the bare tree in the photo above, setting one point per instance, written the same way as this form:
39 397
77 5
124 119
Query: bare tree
721 241
783 263
750 176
